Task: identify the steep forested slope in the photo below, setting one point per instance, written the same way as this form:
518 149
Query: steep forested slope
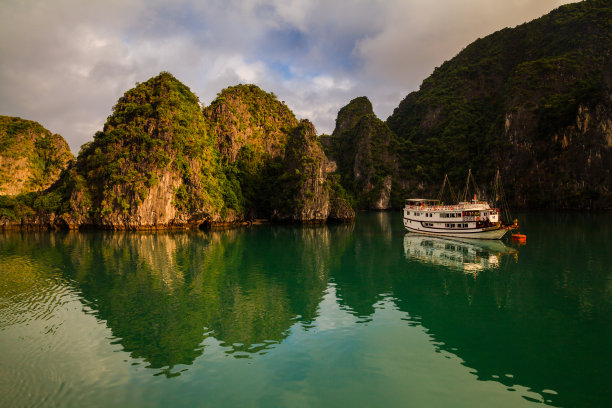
535 101
364 150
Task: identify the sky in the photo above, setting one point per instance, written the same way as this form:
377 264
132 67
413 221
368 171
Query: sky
65 63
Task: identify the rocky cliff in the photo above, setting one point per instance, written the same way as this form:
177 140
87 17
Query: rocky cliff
31 157
251 129
363 149
303 191
156 164
534 101
152 166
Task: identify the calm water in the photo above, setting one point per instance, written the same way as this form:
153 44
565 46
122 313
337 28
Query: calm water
361 315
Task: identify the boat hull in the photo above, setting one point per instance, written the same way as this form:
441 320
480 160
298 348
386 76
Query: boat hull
496 233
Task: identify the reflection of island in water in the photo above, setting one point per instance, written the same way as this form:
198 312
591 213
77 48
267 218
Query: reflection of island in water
163 294
468 255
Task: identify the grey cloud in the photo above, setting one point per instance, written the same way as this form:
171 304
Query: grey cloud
66 62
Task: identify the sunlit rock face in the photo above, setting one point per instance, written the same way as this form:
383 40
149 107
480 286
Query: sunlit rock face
31 157
246 117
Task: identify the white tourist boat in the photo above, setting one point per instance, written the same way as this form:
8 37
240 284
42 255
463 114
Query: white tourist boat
466 219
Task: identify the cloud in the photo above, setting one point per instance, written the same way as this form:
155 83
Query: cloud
66 62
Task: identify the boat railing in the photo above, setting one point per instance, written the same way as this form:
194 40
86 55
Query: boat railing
437 207
454 207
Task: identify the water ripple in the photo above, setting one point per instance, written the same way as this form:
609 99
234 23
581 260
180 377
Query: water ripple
29 292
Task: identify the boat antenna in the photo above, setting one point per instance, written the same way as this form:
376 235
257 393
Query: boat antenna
450 188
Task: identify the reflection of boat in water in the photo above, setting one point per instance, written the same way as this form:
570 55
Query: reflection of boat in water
467 255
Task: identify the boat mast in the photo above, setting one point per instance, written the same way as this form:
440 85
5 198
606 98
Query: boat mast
500 198
450 188
467 187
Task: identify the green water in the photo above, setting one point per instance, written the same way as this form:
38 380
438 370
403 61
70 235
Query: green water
360 315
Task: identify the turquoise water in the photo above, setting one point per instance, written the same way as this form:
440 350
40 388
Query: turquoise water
350 315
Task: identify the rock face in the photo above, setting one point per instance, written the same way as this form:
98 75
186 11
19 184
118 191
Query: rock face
351 114
153 165
31 157
533 101
363 148
340 210
303 188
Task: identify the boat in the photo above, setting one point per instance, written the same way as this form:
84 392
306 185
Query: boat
467 255
473 218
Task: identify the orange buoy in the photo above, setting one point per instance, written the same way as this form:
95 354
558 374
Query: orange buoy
519 237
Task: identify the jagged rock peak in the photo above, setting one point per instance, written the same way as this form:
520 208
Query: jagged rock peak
350 115
31 157
153 164
246 116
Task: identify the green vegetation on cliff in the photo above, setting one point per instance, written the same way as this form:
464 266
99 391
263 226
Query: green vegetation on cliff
251 129
31 157
161 161
154 143
246 116
363 148
302 191
533 100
